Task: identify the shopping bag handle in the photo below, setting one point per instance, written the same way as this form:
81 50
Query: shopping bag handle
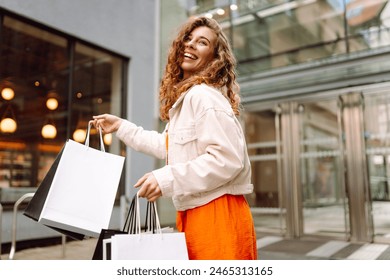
138 217
132 223
100 136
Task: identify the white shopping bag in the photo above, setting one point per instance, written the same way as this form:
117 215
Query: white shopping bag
146 246
163 245
83 189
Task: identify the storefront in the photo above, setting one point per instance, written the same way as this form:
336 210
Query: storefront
51 86
60 64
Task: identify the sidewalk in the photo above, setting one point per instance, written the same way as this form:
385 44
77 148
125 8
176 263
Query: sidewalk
73 250
269 248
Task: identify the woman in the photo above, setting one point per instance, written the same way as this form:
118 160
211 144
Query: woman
208 170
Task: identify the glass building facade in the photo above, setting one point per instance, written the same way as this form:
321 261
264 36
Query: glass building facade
269 34
314 83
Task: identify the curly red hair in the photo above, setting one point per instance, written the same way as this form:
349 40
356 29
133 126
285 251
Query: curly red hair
219 73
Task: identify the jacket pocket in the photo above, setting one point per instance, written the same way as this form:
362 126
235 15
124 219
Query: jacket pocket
185 135
185 144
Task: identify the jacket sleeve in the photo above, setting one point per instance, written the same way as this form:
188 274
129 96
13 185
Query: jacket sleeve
145 141
221 159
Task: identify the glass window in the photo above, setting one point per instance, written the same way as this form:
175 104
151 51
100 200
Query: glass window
321 169
368 23
264 149
272 34
267 34
96 89
51 86
377 136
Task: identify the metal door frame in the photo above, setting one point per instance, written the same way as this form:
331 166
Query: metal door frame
290 169
278 158
358 191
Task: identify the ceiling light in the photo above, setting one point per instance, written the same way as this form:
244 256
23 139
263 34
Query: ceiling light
79 135
52 103
107 138
8 125
233 7
49 131
221 12
7 93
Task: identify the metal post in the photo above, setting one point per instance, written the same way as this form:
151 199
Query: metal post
16 206
63 246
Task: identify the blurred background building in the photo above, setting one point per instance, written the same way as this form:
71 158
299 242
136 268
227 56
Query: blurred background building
315 85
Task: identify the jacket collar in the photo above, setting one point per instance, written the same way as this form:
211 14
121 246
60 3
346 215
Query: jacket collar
181 97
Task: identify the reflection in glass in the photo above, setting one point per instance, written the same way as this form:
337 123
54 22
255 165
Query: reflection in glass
323 190
271 34
261 130
377 126
97 79
368 23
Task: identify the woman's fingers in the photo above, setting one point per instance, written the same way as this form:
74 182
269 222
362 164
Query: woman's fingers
107 122
141 180
149 187
153 198
98 121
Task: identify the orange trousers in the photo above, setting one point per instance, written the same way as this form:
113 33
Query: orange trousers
220 230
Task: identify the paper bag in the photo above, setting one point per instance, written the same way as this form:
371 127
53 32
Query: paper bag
101 252
152 244
83 189
147 246
35 206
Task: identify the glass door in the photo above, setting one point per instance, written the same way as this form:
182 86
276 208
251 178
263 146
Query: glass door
322 186
321 166
263 138
377 134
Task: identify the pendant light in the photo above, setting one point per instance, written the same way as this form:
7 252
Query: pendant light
8 122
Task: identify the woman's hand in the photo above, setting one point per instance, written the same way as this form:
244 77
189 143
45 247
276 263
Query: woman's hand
108 123
149 187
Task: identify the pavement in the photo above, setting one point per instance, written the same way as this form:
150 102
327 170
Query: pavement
269 248
72 250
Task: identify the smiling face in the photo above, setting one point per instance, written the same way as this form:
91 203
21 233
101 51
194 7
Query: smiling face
199 50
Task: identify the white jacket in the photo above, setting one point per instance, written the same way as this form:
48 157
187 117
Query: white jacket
207 154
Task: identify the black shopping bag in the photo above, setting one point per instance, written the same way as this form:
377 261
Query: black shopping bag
128 227
105 234
35 206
